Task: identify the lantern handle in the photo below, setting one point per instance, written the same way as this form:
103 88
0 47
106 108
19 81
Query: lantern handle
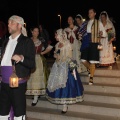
14 67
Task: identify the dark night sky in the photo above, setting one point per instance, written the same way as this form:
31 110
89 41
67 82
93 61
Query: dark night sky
46 11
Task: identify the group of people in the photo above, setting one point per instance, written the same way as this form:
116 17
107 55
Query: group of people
96 37
79 48
92 41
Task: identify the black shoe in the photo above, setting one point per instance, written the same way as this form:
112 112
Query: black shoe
97 65
34 104
63 112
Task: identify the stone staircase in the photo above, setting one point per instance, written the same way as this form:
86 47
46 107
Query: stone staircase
101 100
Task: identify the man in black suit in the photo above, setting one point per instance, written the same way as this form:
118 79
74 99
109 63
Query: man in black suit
18 51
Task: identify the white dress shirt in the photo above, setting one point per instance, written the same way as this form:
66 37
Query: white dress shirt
6 60
89 25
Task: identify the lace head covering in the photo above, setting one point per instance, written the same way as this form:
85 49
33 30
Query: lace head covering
62 36
104 12
79 16
59 33
108 21
65 35
19 20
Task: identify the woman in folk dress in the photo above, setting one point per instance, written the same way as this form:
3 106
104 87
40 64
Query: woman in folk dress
38 80
107 54
64 86
72 35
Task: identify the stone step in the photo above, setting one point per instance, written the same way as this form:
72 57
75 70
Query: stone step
28 118
105 72
101 100
102 88
102 97
84 107
99 108
94 97
102 79
55 114
52 115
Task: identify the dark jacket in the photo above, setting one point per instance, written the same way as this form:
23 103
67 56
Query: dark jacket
25 47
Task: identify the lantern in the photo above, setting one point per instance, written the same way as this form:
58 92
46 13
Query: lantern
100 47
14 81
114 48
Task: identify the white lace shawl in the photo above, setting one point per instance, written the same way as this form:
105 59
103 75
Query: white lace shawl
59 72
65 51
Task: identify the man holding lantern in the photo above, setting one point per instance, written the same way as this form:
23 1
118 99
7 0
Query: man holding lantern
18 58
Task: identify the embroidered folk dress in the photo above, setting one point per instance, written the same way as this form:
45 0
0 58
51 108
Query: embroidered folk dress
76 44
38 80
62 86
107 54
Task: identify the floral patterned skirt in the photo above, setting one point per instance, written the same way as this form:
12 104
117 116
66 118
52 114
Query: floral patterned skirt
107 54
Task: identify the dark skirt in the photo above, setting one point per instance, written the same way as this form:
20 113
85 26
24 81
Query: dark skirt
91 53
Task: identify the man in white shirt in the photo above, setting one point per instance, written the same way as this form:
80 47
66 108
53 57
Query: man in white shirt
18 52
90 42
